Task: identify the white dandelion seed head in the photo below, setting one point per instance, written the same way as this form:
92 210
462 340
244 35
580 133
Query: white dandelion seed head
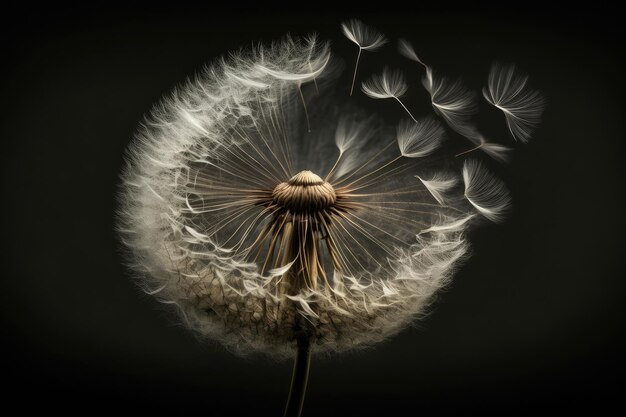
258 230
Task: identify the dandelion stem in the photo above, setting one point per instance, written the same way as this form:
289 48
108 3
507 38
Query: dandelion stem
356 66
299 379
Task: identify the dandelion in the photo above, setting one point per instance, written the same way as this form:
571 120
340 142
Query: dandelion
269 236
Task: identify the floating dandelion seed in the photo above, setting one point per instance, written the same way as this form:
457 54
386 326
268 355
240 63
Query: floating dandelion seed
419 139
406 50
494 150
484 191
522 106
389 84
439 184
365 37
452 101
270 237
456 105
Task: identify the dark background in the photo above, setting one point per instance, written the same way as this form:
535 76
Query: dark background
533 322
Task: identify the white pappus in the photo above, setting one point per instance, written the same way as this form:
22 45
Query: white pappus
265 206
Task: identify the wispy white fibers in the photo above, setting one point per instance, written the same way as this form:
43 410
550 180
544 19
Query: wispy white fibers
421 138
389 84
456 105
522 106
406 50
494 150
224 176
351 132
485 191
307 70
452 101
365 37
439 184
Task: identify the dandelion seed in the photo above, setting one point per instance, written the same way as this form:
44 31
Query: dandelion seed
494 150
439 184
452 101
455 104
365 37
350 132
389 84
406 50
419 139
522 106
484 191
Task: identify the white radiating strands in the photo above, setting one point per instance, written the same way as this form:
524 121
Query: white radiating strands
313 45
307 71
389 84
453 225
350 132
365 37
522 106
406 50
255 256
485 191
419 139
494 150
439 184
452 101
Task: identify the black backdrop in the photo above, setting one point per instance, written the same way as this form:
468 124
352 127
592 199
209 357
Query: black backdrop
532 322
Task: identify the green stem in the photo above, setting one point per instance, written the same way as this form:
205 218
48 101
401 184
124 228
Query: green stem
299 379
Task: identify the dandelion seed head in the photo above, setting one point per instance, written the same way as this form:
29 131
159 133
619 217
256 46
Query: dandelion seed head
262 208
